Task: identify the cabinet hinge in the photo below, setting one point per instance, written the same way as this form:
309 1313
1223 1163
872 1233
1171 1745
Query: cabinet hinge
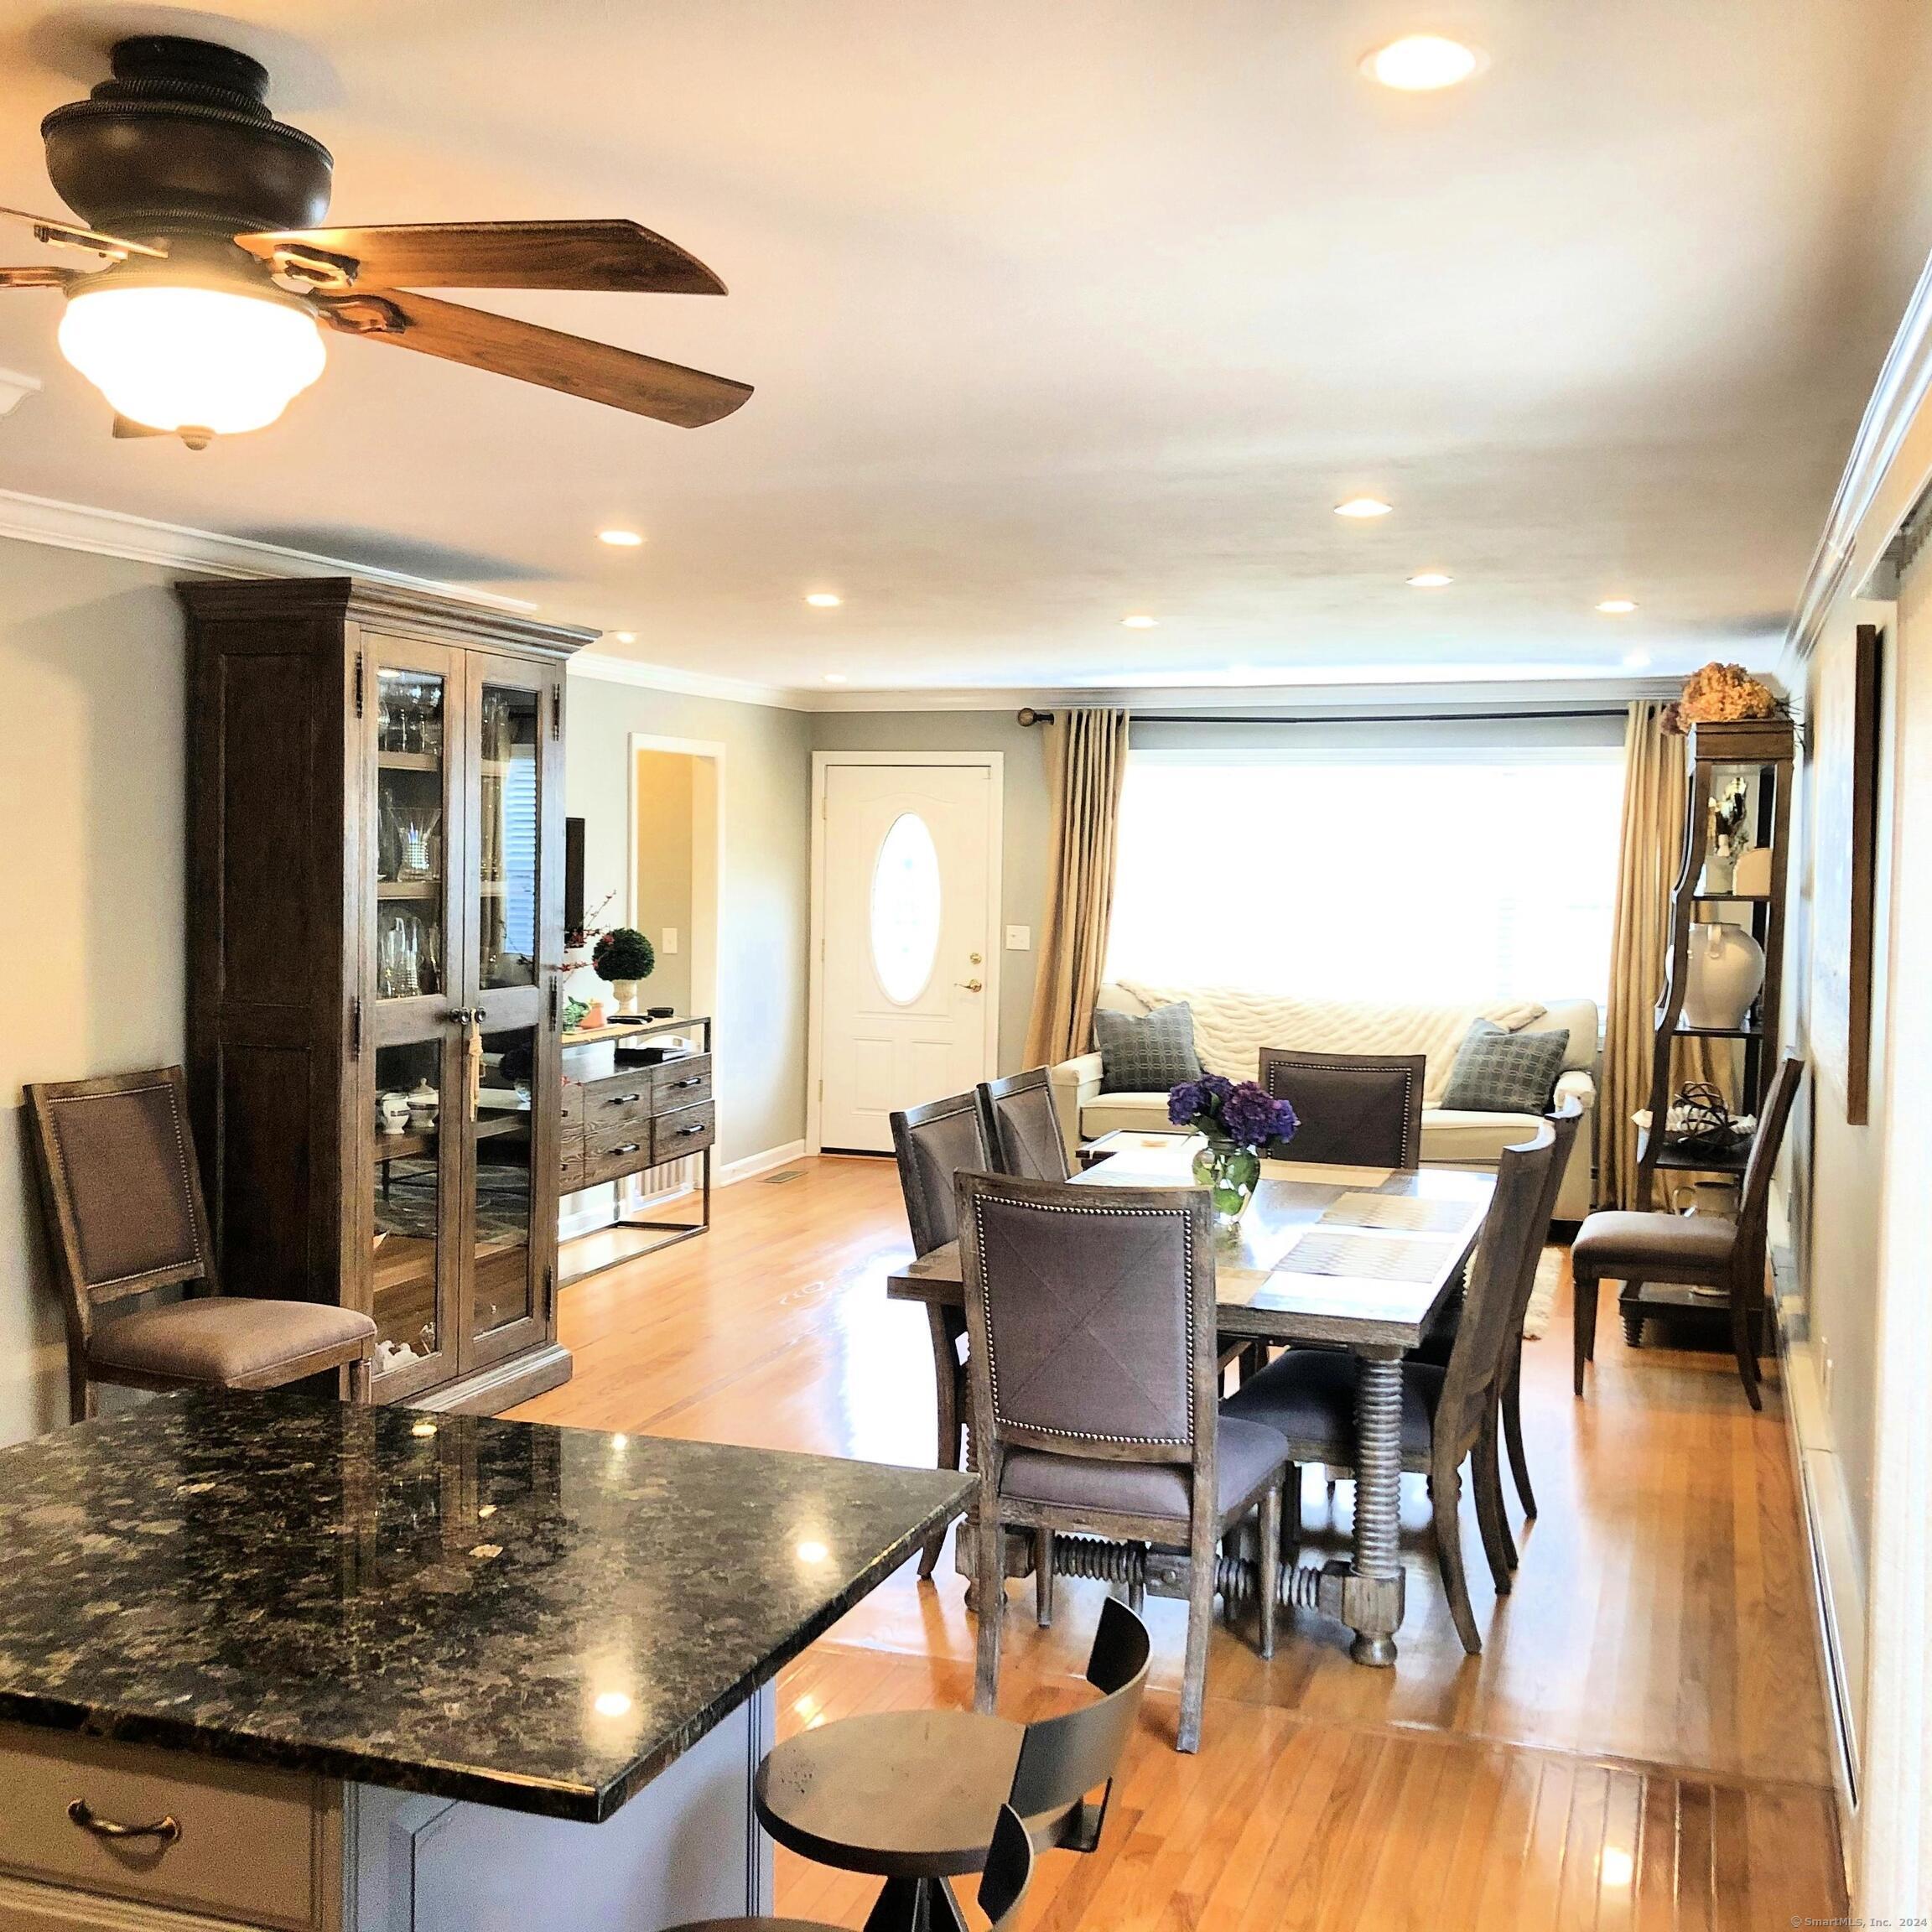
556 711
552 998
549 1289
354 1029
358 683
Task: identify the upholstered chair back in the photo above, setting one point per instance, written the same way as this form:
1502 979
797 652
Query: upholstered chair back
934 1143
1512 1235
1356 1109
123 1194
1021 1127
1091 1312
1754 1197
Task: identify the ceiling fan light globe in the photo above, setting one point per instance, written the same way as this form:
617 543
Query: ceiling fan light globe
175 358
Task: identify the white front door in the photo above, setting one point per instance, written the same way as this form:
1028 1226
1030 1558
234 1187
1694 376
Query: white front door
907 1006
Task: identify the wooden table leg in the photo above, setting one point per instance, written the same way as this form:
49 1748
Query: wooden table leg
1372 1593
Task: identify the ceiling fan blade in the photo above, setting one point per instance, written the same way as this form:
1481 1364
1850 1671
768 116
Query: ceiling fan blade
596 370
41 277
614 255
66 234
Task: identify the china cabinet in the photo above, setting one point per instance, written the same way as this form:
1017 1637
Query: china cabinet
376 933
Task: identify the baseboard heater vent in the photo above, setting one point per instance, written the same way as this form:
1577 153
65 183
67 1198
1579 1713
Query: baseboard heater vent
779 1178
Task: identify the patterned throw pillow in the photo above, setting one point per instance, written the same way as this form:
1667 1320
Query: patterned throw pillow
1498 1072
1146 1056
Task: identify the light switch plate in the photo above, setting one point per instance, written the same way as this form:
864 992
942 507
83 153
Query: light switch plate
1019 938
670 945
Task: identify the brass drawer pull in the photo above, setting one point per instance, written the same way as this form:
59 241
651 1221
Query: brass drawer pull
167 1830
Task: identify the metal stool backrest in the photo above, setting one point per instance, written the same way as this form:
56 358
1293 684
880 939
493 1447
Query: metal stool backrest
1022 1128
1356 1109
1009 1872
1510 1231
1062 1758
121 1188
933 1143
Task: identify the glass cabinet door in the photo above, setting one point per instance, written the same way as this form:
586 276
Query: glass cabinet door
411 829
506 1196
509 822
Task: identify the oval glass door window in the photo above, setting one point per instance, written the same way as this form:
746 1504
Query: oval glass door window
906 908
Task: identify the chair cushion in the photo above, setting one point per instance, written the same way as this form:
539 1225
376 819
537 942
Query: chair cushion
1309 1395
1245 1453
222 1338
1138 1054
1653 1244
1498 1072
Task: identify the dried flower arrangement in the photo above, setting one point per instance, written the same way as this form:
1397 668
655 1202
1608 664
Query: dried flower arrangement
1719 693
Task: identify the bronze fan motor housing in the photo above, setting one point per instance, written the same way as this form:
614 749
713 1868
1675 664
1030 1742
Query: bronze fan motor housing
180 142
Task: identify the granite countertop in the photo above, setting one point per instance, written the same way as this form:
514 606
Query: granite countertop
535 1618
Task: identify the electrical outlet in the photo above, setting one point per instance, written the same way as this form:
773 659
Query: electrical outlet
670 946
1019 938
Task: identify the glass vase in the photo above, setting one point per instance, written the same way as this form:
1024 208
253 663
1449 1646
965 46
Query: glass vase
1228 1174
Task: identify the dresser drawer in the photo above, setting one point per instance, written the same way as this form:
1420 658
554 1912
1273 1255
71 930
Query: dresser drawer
616 1110
570 1165
681 1082
247 1847
689 1130
627 1157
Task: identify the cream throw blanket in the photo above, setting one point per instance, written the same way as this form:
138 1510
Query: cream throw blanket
1232 1025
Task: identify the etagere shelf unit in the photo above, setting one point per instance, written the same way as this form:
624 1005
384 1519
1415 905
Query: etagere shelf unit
375 939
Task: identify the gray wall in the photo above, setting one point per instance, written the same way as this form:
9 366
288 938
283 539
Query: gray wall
1027 824
91 786
761 898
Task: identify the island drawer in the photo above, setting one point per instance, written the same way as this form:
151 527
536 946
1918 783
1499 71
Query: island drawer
681 1082
248 1846
689 1130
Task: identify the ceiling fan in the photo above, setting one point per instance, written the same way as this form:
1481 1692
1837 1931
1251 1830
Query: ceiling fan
205 315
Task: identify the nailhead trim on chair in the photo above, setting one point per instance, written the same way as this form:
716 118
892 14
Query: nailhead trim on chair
992 1354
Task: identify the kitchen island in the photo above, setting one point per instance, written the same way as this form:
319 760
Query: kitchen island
359 1670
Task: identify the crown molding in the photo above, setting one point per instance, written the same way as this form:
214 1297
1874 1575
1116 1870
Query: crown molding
14 388
1904 383
141 540
606 669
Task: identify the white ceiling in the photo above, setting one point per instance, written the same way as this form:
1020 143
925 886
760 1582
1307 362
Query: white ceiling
1058 311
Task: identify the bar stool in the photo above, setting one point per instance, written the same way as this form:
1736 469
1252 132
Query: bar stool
1002 1888
912 1796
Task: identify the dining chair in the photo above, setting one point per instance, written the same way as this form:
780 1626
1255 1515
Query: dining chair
1090 1319
932 1144
1021 1127
1692 1250
124 1218
1448 1415
1356 1109
909 1795
1564 1124
1003 1887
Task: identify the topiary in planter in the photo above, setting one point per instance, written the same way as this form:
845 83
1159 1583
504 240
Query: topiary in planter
623 953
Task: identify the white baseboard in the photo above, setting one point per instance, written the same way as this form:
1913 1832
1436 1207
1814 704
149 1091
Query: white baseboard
1838 1591
754 1164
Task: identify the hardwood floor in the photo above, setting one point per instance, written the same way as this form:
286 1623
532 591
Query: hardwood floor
1642 1742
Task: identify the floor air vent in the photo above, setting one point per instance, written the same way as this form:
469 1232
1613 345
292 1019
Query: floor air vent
779 1179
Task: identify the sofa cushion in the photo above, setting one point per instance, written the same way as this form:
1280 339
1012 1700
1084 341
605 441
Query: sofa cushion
1500 1071
1453 1137
1139 1053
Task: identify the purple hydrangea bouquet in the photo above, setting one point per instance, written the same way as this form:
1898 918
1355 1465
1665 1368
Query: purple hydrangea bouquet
1237 1119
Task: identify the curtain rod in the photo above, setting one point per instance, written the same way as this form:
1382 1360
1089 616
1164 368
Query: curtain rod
1028 715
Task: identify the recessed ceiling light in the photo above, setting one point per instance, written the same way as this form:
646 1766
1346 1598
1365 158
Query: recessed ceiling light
823 599
1420 63
1637 660
625 636
1616 606
1139 622
620 540
1363 507
834 677
1431 579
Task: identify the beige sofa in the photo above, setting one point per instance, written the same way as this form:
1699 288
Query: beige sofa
1231 1028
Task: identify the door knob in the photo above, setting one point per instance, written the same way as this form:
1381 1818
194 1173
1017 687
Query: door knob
972 986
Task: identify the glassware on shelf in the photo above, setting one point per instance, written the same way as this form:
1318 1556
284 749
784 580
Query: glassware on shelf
409 956
409 847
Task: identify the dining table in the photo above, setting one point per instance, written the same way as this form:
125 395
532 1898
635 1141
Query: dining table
1364 1259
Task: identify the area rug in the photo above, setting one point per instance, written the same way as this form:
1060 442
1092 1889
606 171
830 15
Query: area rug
1543 1296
